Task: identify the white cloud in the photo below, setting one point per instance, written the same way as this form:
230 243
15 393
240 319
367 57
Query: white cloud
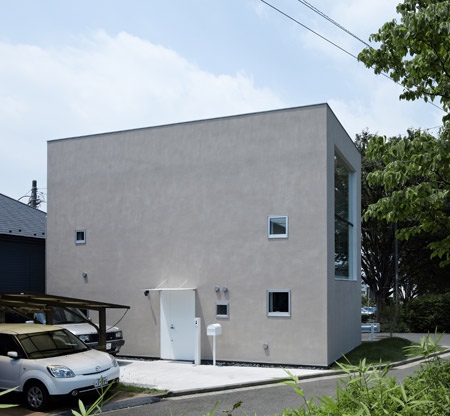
382 112
104 83
360 18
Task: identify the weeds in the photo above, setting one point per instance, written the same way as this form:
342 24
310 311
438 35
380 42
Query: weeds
96 407
368 390
2 393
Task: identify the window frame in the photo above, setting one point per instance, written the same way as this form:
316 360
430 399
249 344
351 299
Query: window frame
268 303
270 219
349 223
223 316
77 240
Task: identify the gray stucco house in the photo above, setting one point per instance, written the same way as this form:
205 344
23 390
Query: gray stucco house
250 221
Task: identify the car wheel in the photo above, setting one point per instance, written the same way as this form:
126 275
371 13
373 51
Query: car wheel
36 395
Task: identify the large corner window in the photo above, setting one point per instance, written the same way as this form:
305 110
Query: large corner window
278 303
277 226
343 221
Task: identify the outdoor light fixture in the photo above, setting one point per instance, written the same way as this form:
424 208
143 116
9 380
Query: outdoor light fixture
225 289
216 288
84 274
146 292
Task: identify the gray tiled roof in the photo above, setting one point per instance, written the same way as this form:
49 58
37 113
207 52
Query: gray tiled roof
17 218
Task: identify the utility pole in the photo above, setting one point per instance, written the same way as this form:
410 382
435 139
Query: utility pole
34 201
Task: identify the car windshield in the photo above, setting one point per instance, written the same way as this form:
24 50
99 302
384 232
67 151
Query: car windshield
63 316
50 344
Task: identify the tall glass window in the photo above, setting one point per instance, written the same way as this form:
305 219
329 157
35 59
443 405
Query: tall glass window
343 225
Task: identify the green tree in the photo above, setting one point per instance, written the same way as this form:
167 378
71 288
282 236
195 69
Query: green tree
414 51
418 274
377 235
416 175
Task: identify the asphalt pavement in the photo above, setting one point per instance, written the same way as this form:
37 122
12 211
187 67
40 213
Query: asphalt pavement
173 375
185 378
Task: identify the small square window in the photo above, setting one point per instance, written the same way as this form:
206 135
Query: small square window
80 236
278 303
222 310
277 227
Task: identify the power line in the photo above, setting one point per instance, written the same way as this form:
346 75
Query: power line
310 6
322 14
307 28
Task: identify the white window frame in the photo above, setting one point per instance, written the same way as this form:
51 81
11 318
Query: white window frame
269 313
80 241
352 209
270 219
227 315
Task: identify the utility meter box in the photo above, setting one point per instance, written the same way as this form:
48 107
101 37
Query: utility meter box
214 329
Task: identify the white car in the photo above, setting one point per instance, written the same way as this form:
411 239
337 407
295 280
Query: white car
77 322
44 361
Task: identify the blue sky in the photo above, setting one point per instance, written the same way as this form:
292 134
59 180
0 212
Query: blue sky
73 68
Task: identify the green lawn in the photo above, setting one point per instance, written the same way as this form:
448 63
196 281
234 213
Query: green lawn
386 350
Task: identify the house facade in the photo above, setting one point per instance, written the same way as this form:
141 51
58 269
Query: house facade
22 247
251 222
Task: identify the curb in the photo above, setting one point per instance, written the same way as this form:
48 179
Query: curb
141 401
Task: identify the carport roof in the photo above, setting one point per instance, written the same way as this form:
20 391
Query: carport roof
34 302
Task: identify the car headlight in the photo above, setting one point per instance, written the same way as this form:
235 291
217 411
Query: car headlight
59 371
113 360
119 335
84 338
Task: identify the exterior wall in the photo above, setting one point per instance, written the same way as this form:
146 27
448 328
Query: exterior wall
22 264
186 205
344 296
22 247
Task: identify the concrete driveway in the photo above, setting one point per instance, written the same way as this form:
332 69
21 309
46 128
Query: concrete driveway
182 378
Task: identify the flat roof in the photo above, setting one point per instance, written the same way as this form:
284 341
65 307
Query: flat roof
15 329
35 302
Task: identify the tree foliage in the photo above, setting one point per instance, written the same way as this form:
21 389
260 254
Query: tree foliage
414 51
418 273
416 176
377 235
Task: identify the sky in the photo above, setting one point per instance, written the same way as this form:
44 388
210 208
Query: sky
72 68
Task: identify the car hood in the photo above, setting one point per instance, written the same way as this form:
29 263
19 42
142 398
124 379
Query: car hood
84 328
87 362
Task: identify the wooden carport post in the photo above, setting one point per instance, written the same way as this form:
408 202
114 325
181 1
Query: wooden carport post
102 329
49 316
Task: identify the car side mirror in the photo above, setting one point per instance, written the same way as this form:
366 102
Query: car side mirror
13 354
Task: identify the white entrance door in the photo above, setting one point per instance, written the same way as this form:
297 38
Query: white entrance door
177 324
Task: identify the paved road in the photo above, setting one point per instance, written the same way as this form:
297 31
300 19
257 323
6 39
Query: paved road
263 400
267 400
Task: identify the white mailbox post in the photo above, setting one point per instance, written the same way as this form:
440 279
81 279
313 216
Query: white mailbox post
198 341
212 331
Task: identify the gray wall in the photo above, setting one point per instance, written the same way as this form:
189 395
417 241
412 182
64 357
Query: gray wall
187 205
344 296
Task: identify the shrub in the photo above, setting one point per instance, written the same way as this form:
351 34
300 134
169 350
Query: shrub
429 313
367 390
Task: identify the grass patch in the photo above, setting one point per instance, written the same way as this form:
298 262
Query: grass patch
136 389
386 350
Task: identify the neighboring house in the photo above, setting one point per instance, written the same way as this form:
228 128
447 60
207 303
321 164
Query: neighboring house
251 221
22 247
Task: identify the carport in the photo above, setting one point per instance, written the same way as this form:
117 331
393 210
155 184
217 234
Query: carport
24 304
